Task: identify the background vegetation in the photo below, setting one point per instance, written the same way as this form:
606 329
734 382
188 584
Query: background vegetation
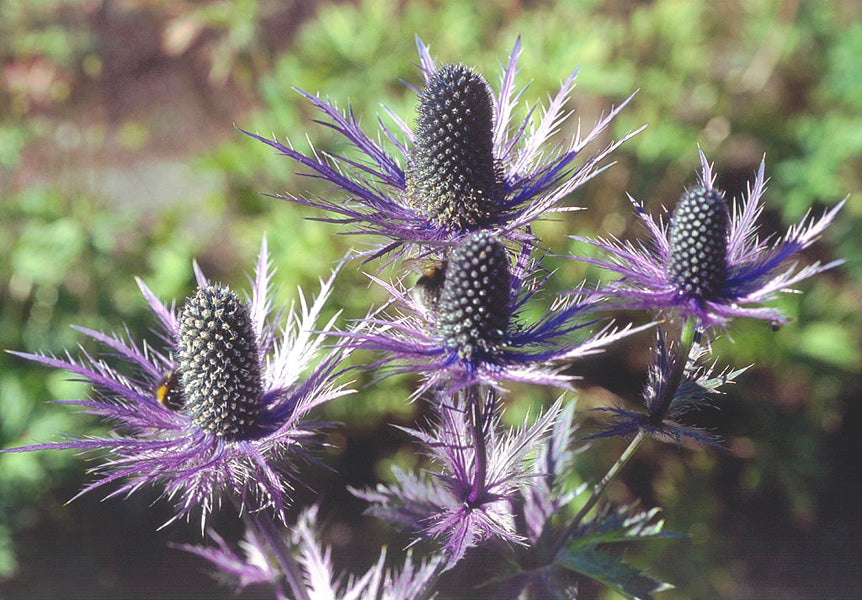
118 157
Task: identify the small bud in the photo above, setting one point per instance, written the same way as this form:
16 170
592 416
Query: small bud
220 371
473 311
698 243
453 176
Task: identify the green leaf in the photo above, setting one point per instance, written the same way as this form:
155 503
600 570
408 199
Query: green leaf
623 524
611 572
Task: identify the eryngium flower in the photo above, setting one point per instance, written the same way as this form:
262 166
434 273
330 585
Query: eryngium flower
708 264
465 328
467 166
452 175
469 499
666 405
257 564
220 410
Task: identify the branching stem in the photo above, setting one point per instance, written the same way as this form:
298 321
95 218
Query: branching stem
688 335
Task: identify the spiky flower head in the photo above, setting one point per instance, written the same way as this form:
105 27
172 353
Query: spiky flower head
698 243
464 327
219 366
452 175
468 165
708 264
473 311
220 410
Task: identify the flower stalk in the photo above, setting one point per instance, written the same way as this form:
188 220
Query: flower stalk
477 425
687 338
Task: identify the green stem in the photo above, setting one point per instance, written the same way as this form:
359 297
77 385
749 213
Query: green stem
688 335
615 469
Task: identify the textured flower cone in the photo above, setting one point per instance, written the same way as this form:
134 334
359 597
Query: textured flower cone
453 176
473 311
698 243
219 366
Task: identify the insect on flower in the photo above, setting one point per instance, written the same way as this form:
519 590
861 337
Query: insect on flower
221 410
168 393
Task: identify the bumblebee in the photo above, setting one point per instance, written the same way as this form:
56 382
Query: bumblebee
168 393
427 290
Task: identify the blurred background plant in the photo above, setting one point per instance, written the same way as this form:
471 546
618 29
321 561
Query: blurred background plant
118 157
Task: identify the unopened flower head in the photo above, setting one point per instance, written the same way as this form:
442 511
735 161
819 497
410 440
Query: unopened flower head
468 164
462 324
707 263
220 410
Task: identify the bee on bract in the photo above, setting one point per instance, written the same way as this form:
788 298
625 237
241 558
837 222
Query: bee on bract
427 290
168 393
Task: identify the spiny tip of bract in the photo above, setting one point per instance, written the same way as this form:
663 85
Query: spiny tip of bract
453 176
698 243
473 311
219 363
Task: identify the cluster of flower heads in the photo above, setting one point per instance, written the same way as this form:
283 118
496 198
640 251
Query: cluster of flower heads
222 408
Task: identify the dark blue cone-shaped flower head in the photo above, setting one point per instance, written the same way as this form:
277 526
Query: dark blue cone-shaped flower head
708 263
452 175
219 364
469 164
473 310
462 324
698 243
221 409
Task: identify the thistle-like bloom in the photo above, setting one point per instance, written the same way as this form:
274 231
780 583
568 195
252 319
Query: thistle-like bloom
707 263
667 402
462 324
467 166
258 563
220 410
469 499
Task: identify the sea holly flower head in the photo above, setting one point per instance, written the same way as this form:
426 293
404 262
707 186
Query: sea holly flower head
221 409
462 325
708 263
452 174
468 165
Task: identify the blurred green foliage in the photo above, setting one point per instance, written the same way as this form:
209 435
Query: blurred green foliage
739 79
